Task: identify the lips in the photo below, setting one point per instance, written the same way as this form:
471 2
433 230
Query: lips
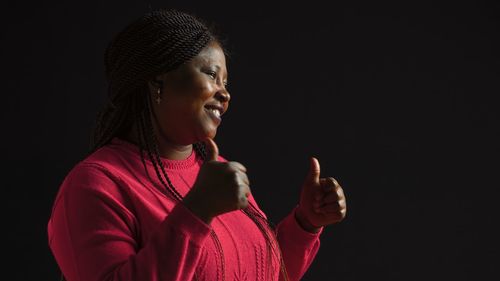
214 111
215 107
214 114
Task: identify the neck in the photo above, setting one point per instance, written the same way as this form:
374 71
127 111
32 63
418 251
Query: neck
174 151
167 148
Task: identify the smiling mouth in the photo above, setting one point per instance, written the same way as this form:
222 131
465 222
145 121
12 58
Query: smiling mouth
214 114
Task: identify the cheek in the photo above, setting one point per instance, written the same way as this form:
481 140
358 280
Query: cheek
203 89
176 110
185 104
181 112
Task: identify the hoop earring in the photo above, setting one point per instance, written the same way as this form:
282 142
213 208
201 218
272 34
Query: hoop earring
158 98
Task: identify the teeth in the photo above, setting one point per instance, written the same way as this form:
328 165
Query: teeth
216 112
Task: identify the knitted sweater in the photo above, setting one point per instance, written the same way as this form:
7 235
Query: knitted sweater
111 221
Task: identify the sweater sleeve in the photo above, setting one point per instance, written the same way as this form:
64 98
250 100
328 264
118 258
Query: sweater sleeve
299 247
93 234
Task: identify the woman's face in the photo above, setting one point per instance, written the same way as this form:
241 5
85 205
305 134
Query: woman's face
189 96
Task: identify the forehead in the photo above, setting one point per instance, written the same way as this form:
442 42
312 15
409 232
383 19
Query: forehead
211 54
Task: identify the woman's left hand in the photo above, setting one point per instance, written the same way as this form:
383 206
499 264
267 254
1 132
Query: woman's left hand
322 201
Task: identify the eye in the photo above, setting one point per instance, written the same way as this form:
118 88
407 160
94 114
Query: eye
212 74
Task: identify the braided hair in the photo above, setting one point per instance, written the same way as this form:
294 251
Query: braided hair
158 42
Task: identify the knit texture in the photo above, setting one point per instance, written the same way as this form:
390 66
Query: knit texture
110 222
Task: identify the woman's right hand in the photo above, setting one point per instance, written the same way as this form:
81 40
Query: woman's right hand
220 187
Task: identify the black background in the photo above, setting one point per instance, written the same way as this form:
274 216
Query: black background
398 101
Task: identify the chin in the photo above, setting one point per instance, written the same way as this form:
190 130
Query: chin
206 133
212 134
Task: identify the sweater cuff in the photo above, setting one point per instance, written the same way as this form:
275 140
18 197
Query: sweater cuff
183 220
291 224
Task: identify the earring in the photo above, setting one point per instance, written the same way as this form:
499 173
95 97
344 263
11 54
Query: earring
158 98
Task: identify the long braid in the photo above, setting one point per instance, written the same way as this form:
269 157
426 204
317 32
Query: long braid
154 153
150 142
264 225
147 141
139 128
113 117
150 113
157 43
271 240
170 187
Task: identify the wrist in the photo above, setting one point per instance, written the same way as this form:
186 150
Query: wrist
197 208
304 223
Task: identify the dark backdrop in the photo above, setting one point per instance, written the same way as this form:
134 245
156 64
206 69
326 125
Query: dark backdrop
397 101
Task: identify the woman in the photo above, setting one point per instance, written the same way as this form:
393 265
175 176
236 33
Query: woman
154 200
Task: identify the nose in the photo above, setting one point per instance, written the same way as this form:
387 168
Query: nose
223 95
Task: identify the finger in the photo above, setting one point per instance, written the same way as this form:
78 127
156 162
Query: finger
328 184
245 190
314 171
341 203
340 213
237 166
244 178
333 198
340 192
330 198
330 208
243 200
212 150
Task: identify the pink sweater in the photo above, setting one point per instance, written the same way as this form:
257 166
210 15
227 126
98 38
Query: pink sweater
109 222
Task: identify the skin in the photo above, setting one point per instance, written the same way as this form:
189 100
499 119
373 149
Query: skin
184 93
223 187
322 200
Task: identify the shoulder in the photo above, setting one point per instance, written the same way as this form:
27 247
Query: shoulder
110 162
108 157
92 184
97 167
98 174
89 193
89 179
88 173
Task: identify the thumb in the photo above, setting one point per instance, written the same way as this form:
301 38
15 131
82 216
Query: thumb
212 150
314 171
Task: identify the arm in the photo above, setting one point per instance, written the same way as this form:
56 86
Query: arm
299 246
94 235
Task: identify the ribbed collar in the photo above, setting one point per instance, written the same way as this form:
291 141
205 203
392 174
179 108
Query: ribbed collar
169 163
